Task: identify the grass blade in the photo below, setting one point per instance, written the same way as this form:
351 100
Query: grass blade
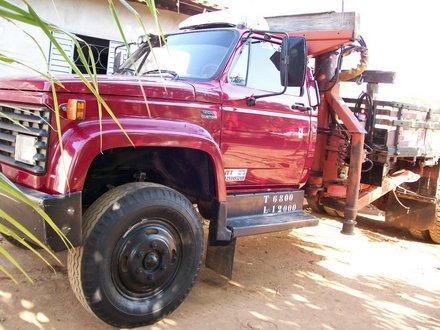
47 30
11 259
13 190
9 60
5 230
121 31
4 271
23 229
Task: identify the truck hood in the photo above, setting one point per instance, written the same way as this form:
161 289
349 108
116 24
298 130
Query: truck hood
154 87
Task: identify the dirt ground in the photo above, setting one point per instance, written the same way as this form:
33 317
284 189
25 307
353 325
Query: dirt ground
309 278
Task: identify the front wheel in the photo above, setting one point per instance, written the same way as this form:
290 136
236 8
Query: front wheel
141 254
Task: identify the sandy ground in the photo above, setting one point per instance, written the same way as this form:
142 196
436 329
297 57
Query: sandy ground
310 278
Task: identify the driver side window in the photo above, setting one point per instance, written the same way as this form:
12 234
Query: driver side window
238 74
257 67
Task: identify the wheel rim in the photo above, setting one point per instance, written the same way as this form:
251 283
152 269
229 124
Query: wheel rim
146 259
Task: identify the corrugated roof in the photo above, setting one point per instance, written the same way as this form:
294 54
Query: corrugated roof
207 3
189 7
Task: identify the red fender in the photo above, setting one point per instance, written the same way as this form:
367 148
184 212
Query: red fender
82 143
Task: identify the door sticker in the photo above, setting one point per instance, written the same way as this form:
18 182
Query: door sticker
235 174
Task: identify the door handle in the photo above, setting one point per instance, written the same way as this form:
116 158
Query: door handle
301 107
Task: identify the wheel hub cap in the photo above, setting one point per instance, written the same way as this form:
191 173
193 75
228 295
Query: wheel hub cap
147 258
151 261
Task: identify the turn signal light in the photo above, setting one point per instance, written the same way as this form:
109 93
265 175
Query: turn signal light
76 109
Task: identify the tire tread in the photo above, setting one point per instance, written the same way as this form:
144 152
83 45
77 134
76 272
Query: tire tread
91 218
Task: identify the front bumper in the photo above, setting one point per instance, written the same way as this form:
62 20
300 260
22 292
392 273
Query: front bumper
64 210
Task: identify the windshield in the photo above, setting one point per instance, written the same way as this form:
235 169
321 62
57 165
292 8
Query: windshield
192 55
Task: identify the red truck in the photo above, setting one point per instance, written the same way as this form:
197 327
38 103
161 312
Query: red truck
237 129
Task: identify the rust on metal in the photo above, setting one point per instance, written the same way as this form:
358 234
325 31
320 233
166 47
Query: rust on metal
357 132
327 63
322 42
343 111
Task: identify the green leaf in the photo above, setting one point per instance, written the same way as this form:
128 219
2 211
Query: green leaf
16 17
121 31
11 259
58 130
47 30
5 230
10 60
4 271
25 231
12 7
13 190
3 115
50 77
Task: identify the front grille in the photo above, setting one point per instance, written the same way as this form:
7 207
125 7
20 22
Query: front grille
27 120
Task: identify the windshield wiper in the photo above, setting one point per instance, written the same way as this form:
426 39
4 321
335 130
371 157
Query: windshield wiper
171 72
125 72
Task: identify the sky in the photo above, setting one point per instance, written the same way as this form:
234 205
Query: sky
401 36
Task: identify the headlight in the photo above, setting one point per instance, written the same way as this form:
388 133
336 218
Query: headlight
25 149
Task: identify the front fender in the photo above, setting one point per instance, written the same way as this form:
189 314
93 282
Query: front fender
82 143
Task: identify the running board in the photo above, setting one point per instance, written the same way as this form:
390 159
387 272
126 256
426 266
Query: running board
253 214
259 213
247 226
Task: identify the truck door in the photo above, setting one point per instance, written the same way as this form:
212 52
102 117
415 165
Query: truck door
266 143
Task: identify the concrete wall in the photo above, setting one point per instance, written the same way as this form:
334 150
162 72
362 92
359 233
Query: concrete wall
86 17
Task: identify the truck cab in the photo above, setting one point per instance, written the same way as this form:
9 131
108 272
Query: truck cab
268 141
217 121
222 121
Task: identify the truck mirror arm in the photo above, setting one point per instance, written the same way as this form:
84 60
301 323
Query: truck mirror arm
318 97
252 100
284 62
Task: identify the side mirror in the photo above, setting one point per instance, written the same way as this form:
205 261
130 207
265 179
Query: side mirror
117 62
293 62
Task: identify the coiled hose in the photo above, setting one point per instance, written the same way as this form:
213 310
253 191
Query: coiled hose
361 67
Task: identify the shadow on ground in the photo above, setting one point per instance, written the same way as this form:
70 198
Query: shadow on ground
308 278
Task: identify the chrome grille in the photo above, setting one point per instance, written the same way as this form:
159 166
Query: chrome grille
27 120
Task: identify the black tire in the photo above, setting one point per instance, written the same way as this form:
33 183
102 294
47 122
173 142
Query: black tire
434 232
141 254
422 235
331 211
16 243
314 204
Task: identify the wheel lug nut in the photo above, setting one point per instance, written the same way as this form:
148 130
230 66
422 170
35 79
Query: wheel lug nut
154 245
138 271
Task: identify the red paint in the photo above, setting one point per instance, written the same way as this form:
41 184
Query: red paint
275 143
321 42
269 139
83 145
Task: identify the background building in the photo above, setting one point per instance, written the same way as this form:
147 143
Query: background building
92 21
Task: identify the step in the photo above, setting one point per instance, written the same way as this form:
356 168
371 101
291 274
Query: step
265 203
261 224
